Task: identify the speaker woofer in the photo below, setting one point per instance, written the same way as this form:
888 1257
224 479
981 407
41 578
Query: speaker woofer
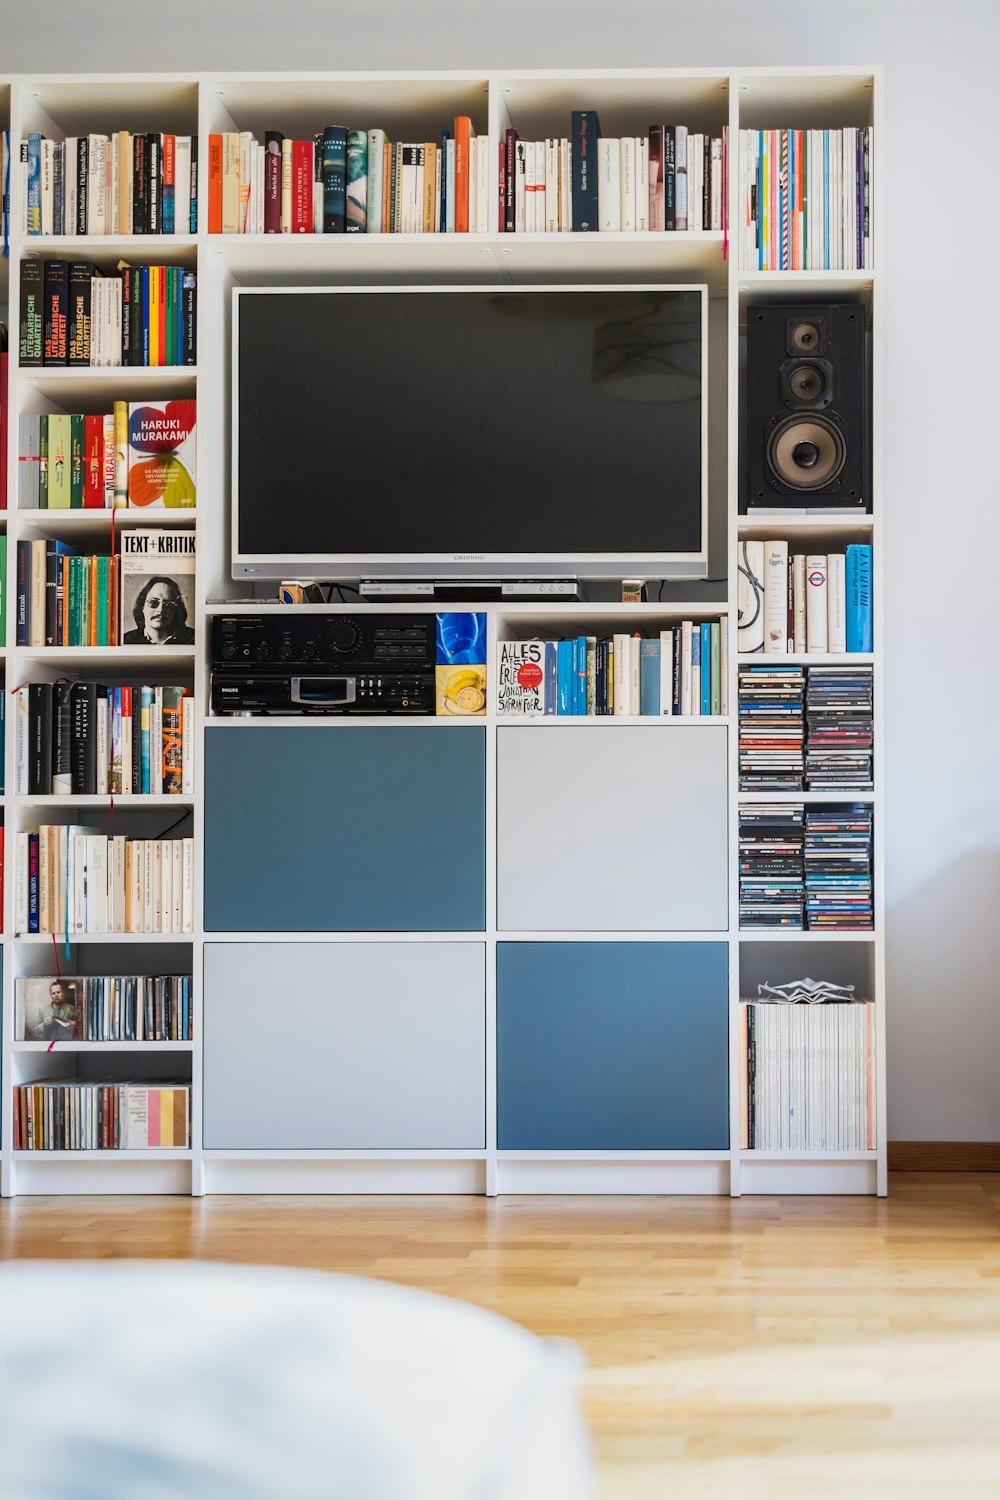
806 453
807 383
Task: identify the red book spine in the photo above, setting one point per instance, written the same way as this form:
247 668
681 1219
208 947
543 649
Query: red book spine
302 184
272 182
93 466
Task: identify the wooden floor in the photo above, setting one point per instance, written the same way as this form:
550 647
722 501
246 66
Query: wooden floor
752 1348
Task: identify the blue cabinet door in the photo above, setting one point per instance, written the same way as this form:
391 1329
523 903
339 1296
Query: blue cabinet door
612 1046
327 827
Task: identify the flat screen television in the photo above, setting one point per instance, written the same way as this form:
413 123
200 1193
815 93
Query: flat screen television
470 432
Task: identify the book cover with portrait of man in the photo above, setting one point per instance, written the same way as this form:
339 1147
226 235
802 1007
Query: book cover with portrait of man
157 587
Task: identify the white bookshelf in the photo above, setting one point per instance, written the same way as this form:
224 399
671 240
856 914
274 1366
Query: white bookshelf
415 105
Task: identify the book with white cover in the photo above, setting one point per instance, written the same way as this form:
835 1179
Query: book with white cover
521 678
798 565
750 596
626 156
622 674
609 196
816 620
836 606
776 598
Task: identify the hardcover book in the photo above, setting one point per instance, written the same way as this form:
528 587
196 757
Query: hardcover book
521 677
157 587
161 455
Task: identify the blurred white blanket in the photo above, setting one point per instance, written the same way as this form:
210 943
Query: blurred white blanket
143 1380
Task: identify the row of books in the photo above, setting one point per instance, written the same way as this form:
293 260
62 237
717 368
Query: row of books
141 455
820 602
806 199
805 726
683 670
344 181
142 596
103 1008
144 183
805 867
81 738
72 879
807 1076
671 178
73 314
78 1115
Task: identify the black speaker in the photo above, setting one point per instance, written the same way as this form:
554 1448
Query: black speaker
809 417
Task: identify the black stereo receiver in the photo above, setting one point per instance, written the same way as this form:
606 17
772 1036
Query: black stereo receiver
317 663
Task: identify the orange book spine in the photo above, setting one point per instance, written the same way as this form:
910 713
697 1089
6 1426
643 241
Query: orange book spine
215 184
463 135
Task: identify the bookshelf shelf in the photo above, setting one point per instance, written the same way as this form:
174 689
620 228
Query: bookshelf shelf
612 800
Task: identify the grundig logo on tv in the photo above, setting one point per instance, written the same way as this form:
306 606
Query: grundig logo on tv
468 556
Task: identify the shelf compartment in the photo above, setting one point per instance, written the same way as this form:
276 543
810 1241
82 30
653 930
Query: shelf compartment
406 105
98 105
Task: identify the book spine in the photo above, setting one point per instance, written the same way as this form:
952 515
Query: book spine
356 211
836 617
272 182
56 286
858 597
816 606
464 133
586 131
776 597
334 179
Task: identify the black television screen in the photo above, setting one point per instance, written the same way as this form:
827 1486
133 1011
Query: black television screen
469 432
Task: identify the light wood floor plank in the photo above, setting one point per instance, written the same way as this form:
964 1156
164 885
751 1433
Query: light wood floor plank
749 1348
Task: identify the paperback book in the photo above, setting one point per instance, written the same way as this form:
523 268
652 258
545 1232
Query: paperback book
157 587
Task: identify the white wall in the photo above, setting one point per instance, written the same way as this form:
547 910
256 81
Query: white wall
942 230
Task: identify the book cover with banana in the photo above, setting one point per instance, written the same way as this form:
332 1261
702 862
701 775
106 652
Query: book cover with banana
461 664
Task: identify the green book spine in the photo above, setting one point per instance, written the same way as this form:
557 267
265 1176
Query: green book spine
60 442
73 633
43 463
102 600
77 445
3 589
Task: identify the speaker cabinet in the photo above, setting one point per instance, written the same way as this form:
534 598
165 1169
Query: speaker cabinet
809 418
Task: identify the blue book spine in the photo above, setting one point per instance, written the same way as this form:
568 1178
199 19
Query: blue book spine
566 679
146 702
35 188
32 882
551 677
649 677
858 589
580 671
586 130
706 669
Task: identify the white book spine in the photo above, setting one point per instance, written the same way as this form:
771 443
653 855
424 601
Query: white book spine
116 884
47 172
551 185
177 885
520 181
166 885
78 894
97 883
681 176
102 747
626 155
114 174
686 668
69 184
622 669
188 897
836 609
816 609
484 184
21 888
750 596
182 185
187 747
634 677
642 183
97 184
798 565
776 598
565 178
530 182
609 193
21 740
667 673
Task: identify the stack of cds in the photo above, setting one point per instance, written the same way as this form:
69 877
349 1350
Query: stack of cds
838 867
839 720
772 890
771 728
